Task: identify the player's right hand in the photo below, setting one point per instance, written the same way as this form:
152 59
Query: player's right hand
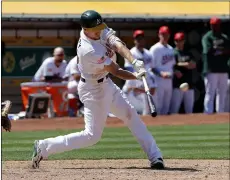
137 64
142 72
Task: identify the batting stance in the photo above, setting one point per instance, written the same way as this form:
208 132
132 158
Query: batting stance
52 68
73 74
99 94
141 53
216 63
163 61
182 74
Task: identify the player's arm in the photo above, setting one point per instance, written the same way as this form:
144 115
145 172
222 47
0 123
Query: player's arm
117 45
115 70
154 65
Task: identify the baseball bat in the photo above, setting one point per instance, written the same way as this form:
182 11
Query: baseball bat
151 103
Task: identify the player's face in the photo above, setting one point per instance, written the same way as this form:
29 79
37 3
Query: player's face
95 35
164 37
140 41
59 57
180 43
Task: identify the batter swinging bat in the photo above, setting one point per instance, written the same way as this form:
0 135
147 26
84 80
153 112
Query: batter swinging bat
151 103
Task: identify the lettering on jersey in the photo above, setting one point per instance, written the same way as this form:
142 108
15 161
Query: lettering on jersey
217 43
167 58
100 61
49 70
183 58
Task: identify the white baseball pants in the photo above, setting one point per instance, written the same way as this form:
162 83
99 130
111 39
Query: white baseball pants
99 100
216 84
178 97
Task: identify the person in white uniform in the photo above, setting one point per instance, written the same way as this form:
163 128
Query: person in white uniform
163 61
52 68
100 95
141 53
73 74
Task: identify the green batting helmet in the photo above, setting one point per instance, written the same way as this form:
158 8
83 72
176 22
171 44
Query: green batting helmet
92 20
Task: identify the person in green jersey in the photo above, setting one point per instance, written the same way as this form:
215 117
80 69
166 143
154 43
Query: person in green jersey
182 74
216 64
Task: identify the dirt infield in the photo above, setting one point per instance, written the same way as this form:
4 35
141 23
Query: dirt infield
72 123
117 169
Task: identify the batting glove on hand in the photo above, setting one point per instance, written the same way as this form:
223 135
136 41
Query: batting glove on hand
137 64
142 72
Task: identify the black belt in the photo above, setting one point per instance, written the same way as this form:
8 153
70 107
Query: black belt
98 81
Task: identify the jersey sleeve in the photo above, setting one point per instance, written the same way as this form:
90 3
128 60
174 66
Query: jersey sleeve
110 38
206 44
154 57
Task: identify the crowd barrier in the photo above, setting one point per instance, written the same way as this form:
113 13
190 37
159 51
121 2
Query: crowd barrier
58 93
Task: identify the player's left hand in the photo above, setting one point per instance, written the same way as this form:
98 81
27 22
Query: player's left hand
142 72
137 64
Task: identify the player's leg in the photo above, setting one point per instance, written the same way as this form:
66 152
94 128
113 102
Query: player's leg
221 91
210 81
95 115
189 101
177 97
122 109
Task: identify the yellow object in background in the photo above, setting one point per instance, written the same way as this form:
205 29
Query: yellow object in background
117 8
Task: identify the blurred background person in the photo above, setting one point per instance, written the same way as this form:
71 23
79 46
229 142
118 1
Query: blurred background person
140 52
183 72
163 60
73 74
52 68
216 62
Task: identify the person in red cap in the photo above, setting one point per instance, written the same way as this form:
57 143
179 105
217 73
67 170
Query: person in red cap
216 65
183 72
136 87
163 61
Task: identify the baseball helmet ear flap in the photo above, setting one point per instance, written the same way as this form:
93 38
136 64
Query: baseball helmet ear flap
92 21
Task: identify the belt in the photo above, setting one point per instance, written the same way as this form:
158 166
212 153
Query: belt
98 81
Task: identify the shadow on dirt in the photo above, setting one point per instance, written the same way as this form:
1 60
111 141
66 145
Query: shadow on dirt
147 168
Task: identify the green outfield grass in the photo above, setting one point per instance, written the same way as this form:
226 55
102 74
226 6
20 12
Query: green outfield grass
187 142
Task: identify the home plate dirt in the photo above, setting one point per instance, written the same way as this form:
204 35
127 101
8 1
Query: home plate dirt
117 169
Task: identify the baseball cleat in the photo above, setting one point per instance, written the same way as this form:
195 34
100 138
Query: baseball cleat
37 156
158 164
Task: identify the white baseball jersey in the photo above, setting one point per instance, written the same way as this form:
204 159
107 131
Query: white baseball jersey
146 58
72 68
48 68
93 55
162 57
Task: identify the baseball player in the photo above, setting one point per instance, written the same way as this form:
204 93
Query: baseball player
95 50
163 61
141 53
52 68
182 74
73 74
216 62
